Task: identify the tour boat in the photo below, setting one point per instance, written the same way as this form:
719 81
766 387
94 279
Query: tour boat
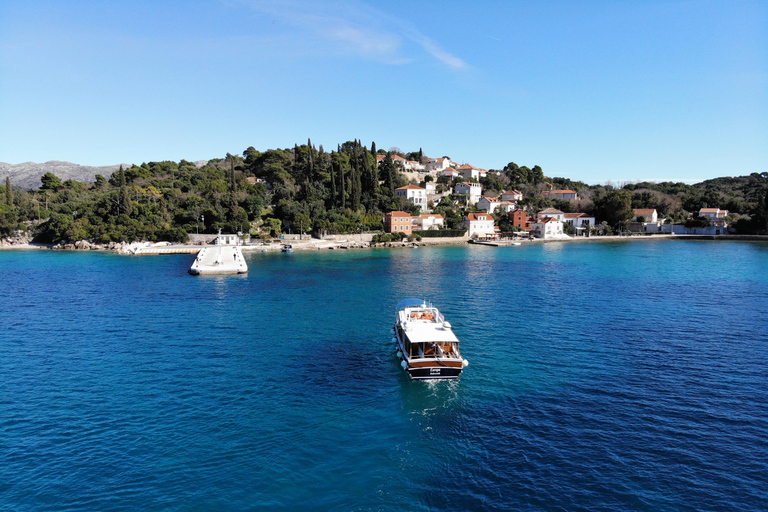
426 344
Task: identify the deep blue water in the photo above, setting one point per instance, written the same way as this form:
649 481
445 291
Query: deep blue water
603 376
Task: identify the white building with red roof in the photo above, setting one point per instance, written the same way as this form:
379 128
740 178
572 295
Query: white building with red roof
413 194
479 225
648 215
489 204
471 189
469 172
579 220
548 227
511 195
568 195
551 212
438 164
716 216
429 221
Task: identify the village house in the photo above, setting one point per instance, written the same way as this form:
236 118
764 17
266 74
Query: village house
520 219
479 225
412 165
451 173
489 204
469 172
428 221
645 215
396 159
413 194
438 164
508 206
579 220
471 189
550 212
398 222
547 227
716 216
645 220
567 195
511 195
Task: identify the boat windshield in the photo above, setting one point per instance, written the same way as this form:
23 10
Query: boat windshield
434 350
406 303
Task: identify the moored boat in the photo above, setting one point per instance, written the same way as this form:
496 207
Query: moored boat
287 248
426 344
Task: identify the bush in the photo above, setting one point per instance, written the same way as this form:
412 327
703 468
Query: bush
438 233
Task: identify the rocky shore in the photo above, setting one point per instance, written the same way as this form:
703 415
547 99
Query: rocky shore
20 241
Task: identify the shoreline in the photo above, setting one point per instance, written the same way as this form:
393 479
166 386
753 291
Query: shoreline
319 245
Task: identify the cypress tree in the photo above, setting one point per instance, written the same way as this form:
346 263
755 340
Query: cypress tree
8 191
342 180
333 183
355 182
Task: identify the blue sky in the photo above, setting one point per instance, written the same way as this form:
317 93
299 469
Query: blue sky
590 90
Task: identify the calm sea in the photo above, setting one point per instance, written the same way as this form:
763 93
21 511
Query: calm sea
603 377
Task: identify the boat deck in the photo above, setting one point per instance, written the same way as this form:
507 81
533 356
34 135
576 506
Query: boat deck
219 259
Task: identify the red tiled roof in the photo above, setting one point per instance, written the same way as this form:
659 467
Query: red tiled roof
644 211
398 214
411 187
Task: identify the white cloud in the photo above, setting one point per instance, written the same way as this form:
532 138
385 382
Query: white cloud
353 26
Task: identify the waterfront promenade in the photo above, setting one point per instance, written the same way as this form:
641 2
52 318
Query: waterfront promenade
354 242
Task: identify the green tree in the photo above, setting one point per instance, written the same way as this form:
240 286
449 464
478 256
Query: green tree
8 191
50 182
613 207
388 173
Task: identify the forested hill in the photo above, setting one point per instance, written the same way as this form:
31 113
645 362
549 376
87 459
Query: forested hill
28 174
309 189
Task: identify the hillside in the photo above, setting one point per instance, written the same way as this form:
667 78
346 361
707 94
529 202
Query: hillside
27 174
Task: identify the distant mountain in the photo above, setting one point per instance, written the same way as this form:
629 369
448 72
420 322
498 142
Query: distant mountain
27 175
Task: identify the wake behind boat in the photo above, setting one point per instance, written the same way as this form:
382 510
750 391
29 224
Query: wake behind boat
426 344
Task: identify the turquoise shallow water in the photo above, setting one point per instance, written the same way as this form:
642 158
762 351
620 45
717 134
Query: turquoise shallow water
603 376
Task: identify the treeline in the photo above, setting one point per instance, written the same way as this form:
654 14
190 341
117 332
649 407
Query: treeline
308 189
278 191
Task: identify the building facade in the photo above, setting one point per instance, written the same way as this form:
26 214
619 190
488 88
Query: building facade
398 222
